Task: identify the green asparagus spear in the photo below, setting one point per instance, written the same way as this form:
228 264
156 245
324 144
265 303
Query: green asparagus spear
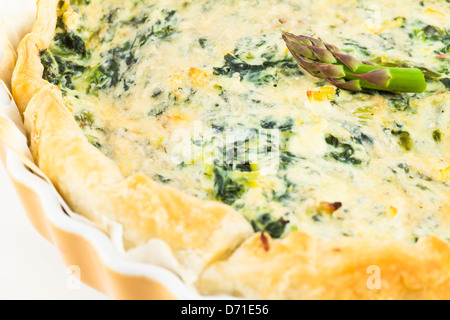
328 62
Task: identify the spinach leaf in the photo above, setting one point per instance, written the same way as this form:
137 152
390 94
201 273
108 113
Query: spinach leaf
271 123
68 43
260 74
344 153
226 188
437 135
446 82
266 223
404 139
59 71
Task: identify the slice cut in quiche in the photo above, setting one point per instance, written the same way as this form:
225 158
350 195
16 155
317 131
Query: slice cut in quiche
190 122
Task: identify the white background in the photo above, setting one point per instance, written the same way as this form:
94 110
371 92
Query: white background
30 267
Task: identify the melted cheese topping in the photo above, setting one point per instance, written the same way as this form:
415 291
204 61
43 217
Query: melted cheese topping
204 96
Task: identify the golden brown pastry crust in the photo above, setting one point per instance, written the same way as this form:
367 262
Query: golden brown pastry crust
7 58
347 268
27 76
203 234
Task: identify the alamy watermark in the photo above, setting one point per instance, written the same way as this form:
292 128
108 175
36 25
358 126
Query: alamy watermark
235 146
374 280
74 278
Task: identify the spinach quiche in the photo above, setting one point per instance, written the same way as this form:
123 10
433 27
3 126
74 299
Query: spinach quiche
190 123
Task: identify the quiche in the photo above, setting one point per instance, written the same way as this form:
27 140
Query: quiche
190 125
